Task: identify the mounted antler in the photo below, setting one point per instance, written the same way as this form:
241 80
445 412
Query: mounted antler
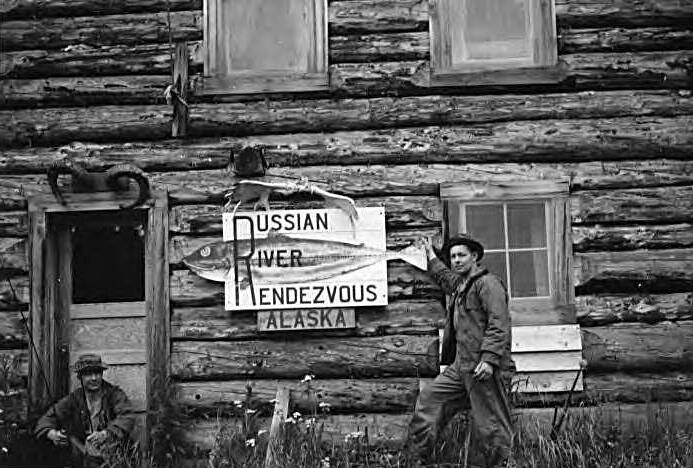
117 177
114 179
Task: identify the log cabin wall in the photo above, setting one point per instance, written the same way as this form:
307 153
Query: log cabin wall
88 77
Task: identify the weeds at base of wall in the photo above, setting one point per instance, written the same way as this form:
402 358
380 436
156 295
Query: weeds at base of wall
588 440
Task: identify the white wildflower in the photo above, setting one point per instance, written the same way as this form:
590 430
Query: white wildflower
310 422
308 378
290 421
4 449
296 415
250 443
238 403
250 411
324 406
325 462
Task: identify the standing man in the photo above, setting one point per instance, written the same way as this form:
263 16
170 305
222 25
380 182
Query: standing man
476 345
91 419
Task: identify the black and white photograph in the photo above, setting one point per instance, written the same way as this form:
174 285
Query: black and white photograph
346 233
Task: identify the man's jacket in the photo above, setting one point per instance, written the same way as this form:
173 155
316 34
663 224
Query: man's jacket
477 326
71 413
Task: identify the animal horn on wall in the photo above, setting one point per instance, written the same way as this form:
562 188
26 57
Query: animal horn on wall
75 169
114 177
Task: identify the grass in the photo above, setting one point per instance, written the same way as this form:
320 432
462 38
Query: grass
589 439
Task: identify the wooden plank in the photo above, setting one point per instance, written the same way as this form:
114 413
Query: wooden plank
179 126
547 361
158 327
110 310
306 319
281 412
107 334
528 339
396 355
113 356
525 383
622 13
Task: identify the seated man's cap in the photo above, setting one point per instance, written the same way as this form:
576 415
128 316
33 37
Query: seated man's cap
89 362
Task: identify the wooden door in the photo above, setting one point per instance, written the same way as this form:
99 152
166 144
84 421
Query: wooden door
103 256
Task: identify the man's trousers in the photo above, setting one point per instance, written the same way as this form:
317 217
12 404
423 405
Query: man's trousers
455 390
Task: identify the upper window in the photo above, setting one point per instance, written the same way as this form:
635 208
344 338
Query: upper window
259 46
524 228
492 41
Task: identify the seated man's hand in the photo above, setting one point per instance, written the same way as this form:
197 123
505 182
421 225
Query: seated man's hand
59 438
483 371
98 437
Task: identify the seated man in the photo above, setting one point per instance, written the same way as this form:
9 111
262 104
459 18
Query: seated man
91 419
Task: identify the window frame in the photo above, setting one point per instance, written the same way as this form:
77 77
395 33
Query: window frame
264 81
559 307
543 67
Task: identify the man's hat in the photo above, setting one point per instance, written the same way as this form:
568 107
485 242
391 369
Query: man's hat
465 239
89 362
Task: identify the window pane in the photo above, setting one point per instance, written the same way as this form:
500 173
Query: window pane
529 274
496 29
495 263
526 225
266 35
485 223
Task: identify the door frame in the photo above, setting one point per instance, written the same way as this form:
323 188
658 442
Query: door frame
48 300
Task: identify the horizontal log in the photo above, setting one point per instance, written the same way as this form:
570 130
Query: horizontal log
407 40
672 204
99 31
390 430
56 126
14 293
210 186
349 16
13 334
421 316
589 71
387 356
605 238
638 347
652 308
400 212
348 396
639 271
27 9
623 13
83 91
13 224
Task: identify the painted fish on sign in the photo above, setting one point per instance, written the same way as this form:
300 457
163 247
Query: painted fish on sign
317 265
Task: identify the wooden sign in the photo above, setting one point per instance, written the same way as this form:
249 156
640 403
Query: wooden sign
305 319
306 259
